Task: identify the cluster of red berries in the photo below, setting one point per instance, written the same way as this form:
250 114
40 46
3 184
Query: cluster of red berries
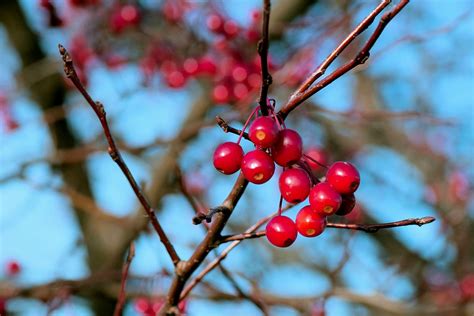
276 144
335 195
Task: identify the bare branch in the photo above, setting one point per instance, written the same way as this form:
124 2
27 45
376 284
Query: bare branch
226 251
184 271
114 153
229 129
368 228
342 46
255 300
126 267
361 57
263 45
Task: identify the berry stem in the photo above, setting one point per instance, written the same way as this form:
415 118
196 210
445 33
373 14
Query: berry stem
315 161
247 123
280 205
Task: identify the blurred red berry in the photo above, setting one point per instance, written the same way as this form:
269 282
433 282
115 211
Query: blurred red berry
214 22
467 286
355 215
206 65
12 268
142 305
347 204
172 11
220 94
458 186
231 28
316 154
175 79
191 66
239 73
123 17
240 91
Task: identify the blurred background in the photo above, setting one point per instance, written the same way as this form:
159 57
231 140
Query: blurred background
164 70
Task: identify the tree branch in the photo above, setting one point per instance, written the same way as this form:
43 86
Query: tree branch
225 252
342 46
229 129
184 270
263 45
361 57
114 153
126 266
368 228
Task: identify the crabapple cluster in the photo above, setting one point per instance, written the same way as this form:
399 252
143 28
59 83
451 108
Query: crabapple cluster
277 145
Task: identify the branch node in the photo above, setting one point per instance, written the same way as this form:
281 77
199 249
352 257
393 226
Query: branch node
180 268
260 46
200 217
100 108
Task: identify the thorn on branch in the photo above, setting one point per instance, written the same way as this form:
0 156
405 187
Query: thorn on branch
200 217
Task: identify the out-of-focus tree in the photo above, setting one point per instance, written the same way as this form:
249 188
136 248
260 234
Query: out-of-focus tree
383 85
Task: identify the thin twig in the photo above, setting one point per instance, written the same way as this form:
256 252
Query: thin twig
373 228
342 46
361 58
226 251
114 153
126 267
255 300
368 228
263 45
229 129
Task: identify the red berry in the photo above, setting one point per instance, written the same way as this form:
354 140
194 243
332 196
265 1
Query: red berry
343 177
257 166
240 91
130 14
324 199
309 223
467 286
347 204
142 305
288 148
214 23
228 157
316 154
220 93
239 73
231 28
191 66
123 17
294 185
281 231
263 131
254 80
175 79
12 268
206 65
356 215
